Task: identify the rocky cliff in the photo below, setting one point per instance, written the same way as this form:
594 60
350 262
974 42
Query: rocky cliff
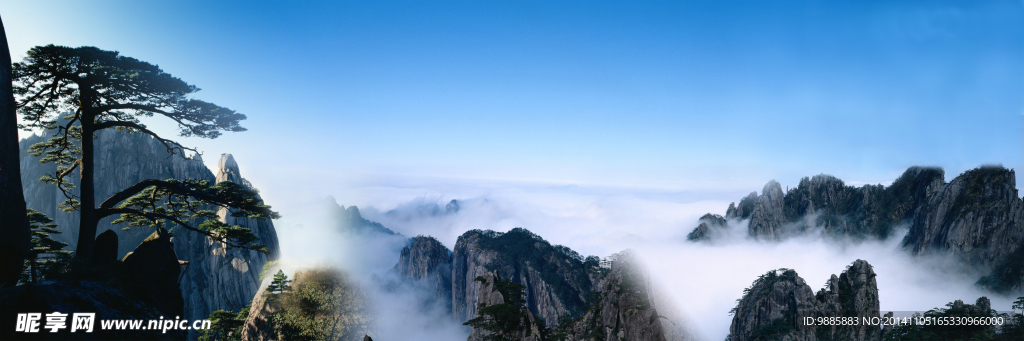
775 305
427 264
625 308
556 280
766 219
978 217
710 225
490 295
216 277
219 277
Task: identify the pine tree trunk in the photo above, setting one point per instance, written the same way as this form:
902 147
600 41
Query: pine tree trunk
87 228
14 230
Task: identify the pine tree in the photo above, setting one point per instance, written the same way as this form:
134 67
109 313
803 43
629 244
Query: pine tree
42 227
74 93
279 284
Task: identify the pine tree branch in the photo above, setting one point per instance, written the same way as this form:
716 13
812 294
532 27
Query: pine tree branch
177 188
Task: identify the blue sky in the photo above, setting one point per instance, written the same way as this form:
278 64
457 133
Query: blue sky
665 96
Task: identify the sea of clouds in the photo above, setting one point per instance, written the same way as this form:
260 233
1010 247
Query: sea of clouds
701 280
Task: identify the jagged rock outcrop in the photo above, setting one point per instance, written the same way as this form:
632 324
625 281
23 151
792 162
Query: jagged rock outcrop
216 278
428 264
219 277
556 281
709 225
626 308
766 219
827 203
774 307
978 217
744 209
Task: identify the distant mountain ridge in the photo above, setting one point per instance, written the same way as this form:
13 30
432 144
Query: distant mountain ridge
978 216
349 220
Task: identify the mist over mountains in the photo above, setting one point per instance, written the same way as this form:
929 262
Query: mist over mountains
418 260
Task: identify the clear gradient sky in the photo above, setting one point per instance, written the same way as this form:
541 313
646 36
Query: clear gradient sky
661 95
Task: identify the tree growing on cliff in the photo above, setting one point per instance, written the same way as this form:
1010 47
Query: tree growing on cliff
76 92
280 283
503 321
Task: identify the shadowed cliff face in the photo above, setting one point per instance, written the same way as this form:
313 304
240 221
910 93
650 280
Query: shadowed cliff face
141 287
773 308
216 278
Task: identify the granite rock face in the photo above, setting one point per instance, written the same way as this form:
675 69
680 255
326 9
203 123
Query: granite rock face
766 219
626 308
220 277
774 307
468 262
428 264
978 217
556 283
216 278
488 295
603 304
